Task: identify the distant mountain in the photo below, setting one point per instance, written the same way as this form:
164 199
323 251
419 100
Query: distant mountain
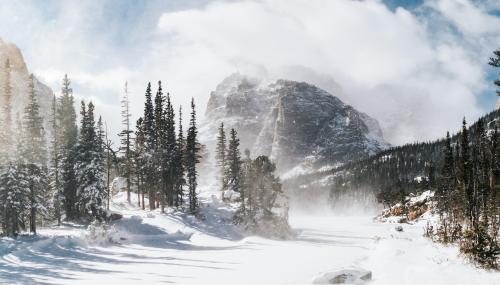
19 83
295 123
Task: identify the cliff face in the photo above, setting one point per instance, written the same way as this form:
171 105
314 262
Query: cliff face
292 122
19 76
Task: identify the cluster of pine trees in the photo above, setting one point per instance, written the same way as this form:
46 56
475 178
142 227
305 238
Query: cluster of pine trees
161 161
68 176
263 207
42 180
467 194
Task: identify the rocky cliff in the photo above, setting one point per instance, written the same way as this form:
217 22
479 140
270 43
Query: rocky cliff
295 123
19 82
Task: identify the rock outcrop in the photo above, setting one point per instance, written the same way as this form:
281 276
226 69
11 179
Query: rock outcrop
19 76
292 122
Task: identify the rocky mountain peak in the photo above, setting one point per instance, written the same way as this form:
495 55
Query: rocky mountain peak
295 123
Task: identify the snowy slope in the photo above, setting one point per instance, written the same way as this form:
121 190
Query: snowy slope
175 248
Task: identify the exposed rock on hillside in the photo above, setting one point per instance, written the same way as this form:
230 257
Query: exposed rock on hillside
292 122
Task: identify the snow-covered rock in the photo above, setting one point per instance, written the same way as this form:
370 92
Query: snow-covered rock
356 276
291 122
413 208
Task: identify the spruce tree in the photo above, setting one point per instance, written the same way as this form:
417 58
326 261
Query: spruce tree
54 173
34 155
148 128
67 137
89 167
126 140
139 165
495 62
446 189
179 163
465 172
192 158
220 155
159 160
233 176
170 153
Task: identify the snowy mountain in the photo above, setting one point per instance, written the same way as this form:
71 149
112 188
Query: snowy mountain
19 83
295 123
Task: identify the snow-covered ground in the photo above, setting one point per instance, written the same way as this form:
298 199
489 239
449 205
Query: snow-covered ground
153 248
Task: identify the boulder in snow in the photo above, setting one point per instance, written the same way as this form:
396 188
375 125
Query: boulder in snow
356 276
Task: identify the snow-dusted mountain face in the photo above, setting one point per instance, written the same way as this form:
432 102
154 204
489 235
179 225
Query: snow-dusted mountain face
295 123
19 77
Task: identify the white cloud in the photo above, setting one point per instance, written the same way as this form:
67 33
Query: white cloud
418 81
412 71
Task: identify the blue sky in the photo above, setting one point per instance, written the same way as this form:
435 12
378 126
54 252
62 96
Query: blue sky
417 66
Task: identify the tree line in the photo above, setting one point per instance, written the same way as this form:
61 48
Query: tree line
64 173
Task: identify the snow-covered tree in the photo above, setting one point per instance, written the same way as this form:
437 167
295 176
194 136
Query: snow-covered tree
34 156
67 139
89 167
126 140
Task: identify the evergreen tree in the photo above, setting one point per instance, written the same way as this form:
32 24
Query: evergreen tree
34 155
192 158
89 167
148 128
495 62
233 176
465 172
14 194
160 156
67 138
179 163
139 165
220 155
126 139
171 172
446 188
55 183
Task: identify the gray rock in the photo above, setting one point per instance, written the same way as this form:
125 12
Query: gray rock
346 276
291 122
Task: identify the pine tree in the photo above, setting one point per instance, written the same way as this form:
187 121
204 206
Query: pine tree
465 172
159 160
67 137
220 155
14 194
233 176
495 62
179 163
55 183
192 158
446 189
89 167
126 139
170 152
139 165
34 155
148 128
